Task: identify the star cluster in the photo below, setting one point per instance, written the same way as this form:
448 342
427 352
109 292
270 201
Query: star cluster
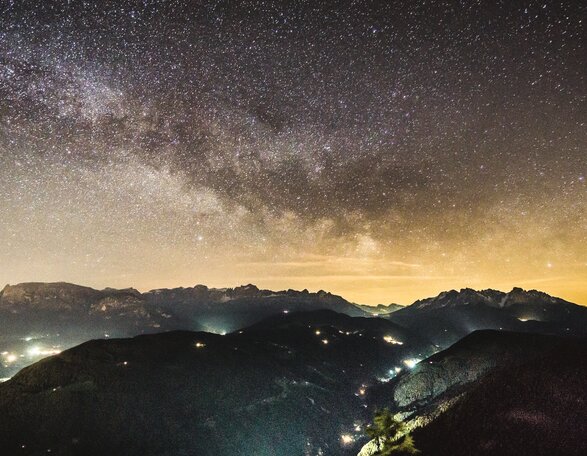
384 150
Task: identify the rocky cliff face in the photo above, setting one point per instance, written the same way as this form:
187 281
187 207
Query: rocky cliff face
55 305
535 406
30 297
447 373
448 379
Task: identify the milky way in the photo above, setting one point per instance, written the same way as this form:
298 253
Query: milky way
383 150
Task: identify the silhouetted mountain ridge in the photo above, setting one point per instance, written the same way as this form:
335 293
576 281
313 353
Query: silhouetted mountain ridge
451 315
533 407
286 386
489 297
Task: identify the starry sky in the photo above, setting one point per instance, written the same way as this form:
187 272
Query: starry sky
381 150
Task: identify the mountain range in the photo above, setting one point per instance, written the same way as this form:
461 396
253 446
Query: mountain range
248 371
452 315
59 315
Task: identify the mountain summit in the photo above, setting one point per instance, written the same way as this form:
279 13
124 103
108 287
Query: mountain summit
489 297
453 314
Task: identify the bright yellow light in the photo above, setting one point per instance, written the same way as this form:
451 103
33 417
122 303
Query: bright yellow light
412 362
38 351
325 341
318 332
200 345
347 439
11 357
391 340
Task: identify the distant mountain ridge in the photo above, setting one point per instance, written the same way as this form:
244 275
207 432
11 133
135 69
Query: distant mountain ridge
68 296
61 307
227 309
381 309
127 312
59 296
490 297
453 314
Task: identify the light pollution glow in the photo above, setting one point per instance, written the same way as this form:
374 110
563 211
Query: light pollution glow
386 159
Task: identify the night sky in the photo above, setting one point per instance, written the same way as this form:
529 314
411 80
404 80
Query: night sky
382 150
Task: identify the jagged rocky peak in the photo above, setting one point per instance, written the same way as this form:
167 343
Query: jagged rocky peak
453 298
493 298
326 295
246 290
520 296
122 291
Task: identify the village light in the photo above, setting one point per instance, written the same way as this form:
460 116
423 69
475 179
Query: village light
391 340
411 362
347 439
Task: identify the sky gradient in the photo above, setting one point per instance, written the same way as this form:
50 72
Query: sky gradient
384 151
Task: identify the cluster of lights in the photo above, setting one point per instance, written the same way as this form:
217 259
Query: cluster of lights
391 373
340 331
391 340
35 351
200 345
